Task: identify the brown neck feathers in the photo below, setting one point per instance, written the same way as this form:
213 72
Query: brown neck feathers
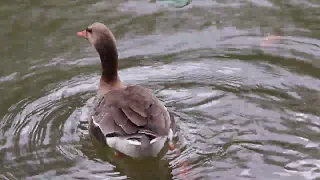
109 58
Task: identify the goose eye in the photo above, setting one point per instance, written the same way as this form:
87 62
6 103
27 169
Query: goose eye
89 30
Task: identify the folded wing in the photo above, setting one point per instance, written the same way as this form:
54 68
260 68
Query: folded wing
129 110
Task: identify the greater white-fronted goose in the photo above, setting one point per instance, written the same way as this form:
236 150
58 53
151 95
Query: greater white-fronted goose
128 118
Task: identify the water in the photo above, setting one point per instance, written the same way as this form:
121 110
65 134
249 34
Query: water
242 75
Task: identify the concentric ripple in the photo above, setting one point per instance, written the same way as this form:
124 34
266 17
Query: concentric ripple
243 77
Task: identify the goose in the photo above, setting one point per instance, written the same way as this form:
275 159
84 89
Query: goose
128 118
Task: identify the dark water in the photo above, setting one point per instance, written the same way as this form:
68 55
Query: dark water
249 103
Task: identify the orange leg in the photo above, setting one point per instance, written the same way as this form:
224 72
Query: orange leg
183 164
118 154
171 146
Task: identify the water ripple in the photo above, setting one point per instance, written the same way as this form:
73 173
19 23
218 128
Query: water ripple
243 76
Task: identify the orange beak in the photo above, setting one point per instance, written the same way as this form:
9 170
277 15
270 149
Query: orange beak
83 34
